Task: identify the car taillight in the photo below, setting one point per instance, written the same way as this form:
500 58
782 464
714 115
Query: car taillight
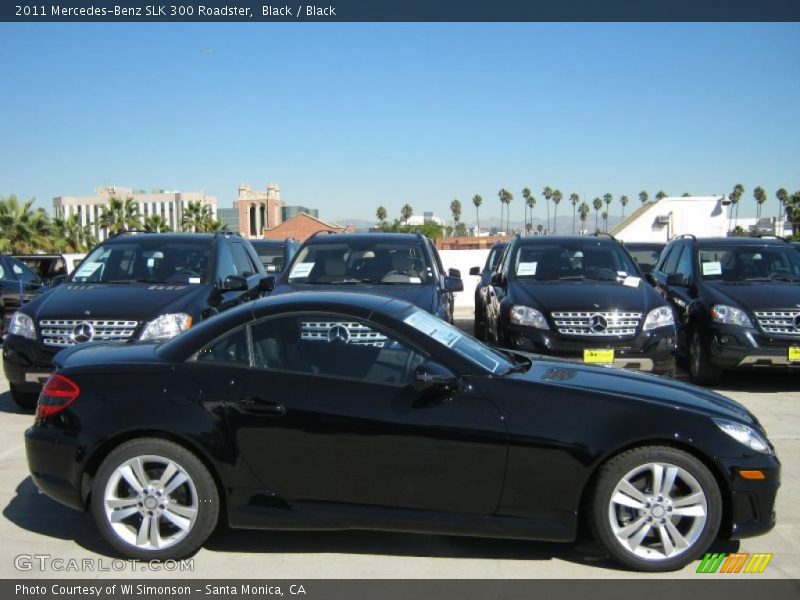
57 394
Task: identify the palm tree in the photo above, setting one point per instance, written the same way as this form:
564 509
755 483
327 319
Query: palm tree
22 229
477 201
783 198
661 195
624 201
70 236
197 217
539 228
406 211
156 224
598 204
119 215
547 193
583 211
760 197
557 197
505 199
734 197
455 210
605 221
381 214
530 201
526 195
643 197
793 212
574 199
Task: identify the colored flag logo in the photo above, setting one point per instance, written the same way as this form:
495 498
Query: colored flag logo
739 562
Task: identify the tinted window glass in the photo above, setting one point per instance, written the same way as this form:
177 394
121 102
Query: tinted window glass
672 260
645 257
22 272
572 260
749 263
241 259
685 263
333 346
226 266
271 257
229 350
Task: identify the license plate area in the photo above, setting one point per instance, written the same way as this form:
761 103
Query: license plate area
596 356
794 353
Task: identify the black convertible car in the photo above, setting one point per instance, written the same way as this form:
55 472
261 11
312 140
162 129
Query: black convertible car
350 411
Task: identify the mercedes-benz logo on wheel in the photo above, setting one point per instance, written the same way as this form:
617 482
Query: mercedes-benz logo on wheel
597 323
797 322
339 333
83 332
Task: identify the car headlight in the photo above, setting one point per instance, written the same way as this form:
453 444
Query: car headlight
659 317
530 317
744 435
730 315
166 326
22 325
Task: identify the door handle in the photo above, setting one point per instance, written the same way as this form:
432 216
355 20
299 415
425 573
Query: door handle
261 406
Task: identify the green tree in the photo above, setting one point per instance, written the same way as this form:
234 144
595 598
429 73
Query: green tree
505 200
734 197
526 196
406 211
477 200
624 201
430 229
156 224
574 199
793 213
760 197
557 197
598 204
70 236
685 195
539 228
455 210
120 215
783 199
197 217
23 229
584 211
381 214
605 221
547 192
661 195
643 197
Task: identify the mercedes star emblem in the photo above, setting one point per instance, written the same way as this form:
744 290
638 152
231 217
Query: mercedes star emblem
339 333
597 323
82 332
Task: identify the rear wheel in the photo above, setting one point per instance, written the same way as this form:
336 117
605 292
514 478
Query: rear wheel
26 400
154 499
700 367
655 508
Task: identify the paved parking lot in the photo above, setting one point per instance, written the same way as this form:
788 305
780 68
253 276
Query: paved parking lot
33 524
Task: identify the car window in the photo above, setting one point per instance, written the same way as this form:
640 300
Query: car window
749 263
672 260
271 257
685 263
227 265
572 260
244 265
2 271
229 350
333 346
494 257
645 257
22 272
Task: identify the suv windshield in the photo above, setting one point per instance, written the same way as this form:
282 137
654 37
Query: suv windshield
357 262
749 263
573 260
146 260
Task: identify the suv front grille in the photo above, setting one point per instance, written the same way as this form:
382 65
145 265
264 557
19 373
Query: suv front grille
781 321
65 332
342 331
597 323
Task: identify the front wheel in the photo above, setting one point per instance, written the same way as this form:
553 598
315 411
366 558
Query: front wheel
655 508
154 500
700 367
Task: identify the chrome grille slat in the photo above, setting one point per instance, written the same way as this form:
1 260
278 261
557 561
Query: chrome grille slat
780 321
359 334
59 332
578 323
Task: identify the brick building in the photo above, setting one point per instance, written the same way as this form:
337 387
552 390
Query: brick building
301 227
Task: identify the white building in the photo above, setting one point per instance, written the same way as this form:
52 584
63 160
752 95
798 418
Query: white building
169 204
424 218
663 220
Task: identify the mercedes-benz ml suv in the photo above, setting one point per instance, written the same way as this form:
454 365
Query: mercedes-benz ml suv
737 303
147 286
582 298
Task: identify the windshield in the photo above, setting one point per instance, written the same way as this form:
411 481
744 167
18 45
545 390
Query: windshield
750 263
356 262
645 256
271 257
148 261
456 340
573 260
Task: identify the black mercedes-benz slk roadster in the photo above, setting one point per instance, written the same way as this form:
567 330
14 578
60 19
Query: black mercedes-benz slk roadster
350 411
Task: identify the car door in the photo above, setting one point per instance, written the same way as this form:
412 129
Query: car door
446 298
495 295
328 414
682 296
233 259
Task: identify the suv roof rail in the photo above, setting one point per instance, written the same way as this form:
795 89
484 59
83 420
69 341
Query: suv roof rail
226 232
128 232
686 235
604 234
321 231
770 236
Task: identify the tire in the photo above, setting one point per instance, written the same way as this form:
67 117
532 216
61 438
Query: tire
479 328
181 529
25 400
700 367
632 531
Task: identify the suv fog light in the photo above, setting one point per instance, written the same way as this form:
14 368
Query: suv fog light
521 341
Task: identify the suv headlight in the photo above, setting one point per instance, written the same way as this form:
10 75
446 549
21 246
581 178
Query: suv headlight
659 317
730 316
166 326
22 325
744 435
530 317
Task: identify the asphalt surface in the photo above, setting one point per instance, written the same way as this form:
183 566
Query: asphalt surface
32 524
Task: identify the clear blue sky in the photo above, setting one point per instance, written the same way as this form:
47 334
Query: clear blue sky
349 116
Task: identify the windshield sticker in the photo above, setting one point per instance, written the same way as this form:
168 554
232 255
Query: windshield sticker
434 327
17 269
632 281
712 268
622 273
302 269
194 280
526 268
414 280
88 269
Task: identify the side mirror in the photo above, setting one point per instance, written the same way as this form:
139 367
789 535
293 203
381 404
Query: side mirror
454 273
234 283
430 376
475 271
267 284
678 279
498 280
453 284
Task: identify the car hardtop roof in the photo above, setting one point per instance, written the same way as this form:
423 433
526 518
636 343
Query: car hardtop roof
166 237
270 243
740 241
632 244
532 240
376 238
316 300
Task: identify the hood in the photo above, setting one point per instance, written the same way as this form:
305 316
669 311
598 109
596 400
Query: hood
134 301
757 295
634 387
422 296
587 296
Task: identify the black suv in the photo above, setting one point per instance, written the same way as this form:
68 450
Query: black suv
18 284
275 254
398 265
147 286
582 298
492 260
737 302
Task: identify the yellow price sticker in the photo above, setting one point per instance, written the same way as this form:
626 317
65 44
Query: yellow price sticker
794 353
598 356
